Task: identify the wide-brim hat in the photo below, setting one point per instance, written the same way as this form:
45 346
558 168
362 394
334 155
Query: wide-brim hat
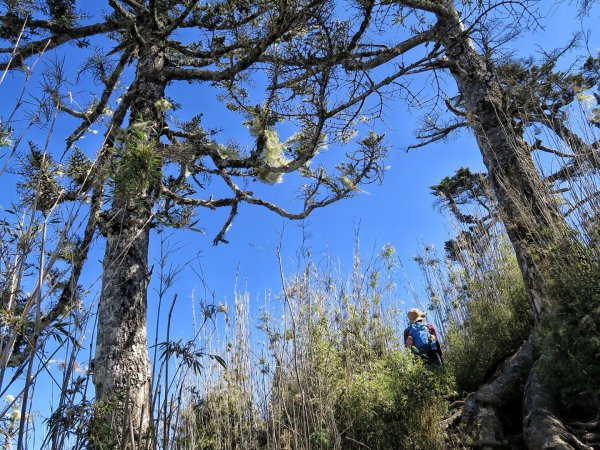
415 314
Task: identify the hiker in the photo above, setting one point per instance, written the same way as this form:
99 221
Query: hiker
422 339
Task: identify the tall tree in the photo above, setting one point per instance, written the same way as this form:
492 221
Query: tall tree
532 220
441 38
541 98
153 171
321 71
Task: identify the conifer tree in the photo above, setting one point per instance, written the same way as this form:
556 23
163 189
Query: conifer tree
462 42
322 72
488 103
154 171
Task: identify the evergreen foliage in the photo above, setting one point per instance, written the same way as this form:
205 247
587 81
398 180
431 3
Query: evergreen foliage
498 321
39 186
78 167
571 343
62 11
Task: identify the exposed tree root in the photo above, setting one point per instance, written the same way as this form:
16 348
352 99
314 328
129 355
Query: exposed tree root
482 414
451 421
520 381
542 429
454 419
593 439
456 404
587 432
587 426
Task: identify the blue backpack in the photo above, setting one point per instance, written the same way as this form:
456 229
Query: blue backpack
423 340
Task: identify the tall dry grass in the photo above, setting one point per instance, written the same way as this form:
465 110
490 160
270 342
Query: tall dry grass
320 366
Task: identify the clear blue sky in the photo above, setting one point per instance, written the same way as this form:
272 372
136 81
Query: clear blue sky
400 212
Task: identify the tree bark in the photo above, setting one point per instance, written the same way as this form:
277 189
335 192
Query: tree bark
533 223
122 373
532 220
121 364
484 412
542 427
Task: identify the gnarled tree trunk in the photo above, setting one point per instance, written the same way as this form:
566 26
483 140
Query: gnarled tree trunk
122 373
530 216
121 364
542 428
533 223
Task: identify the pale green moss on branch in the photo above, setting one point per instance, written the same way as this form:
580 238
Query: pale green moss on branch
137 167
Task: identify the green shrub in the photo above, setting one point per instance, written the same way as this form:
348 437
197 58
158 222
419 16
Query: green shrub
223 418
334 377
570 341
499 320
394 403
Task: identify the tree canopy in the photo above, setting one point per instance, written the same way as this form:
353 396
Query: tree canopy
315 71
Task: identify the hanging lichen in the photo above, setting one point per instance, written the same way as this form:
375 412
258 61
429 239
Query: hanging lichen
272 150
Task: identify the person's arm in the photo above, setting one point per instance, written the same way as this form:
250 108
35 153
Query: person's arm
408 342
434 333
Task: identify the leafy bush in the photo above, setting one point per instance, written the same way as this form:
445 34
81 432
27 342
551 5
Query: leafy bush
498 321
360 388
224 418
394 403
334 376
571 344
